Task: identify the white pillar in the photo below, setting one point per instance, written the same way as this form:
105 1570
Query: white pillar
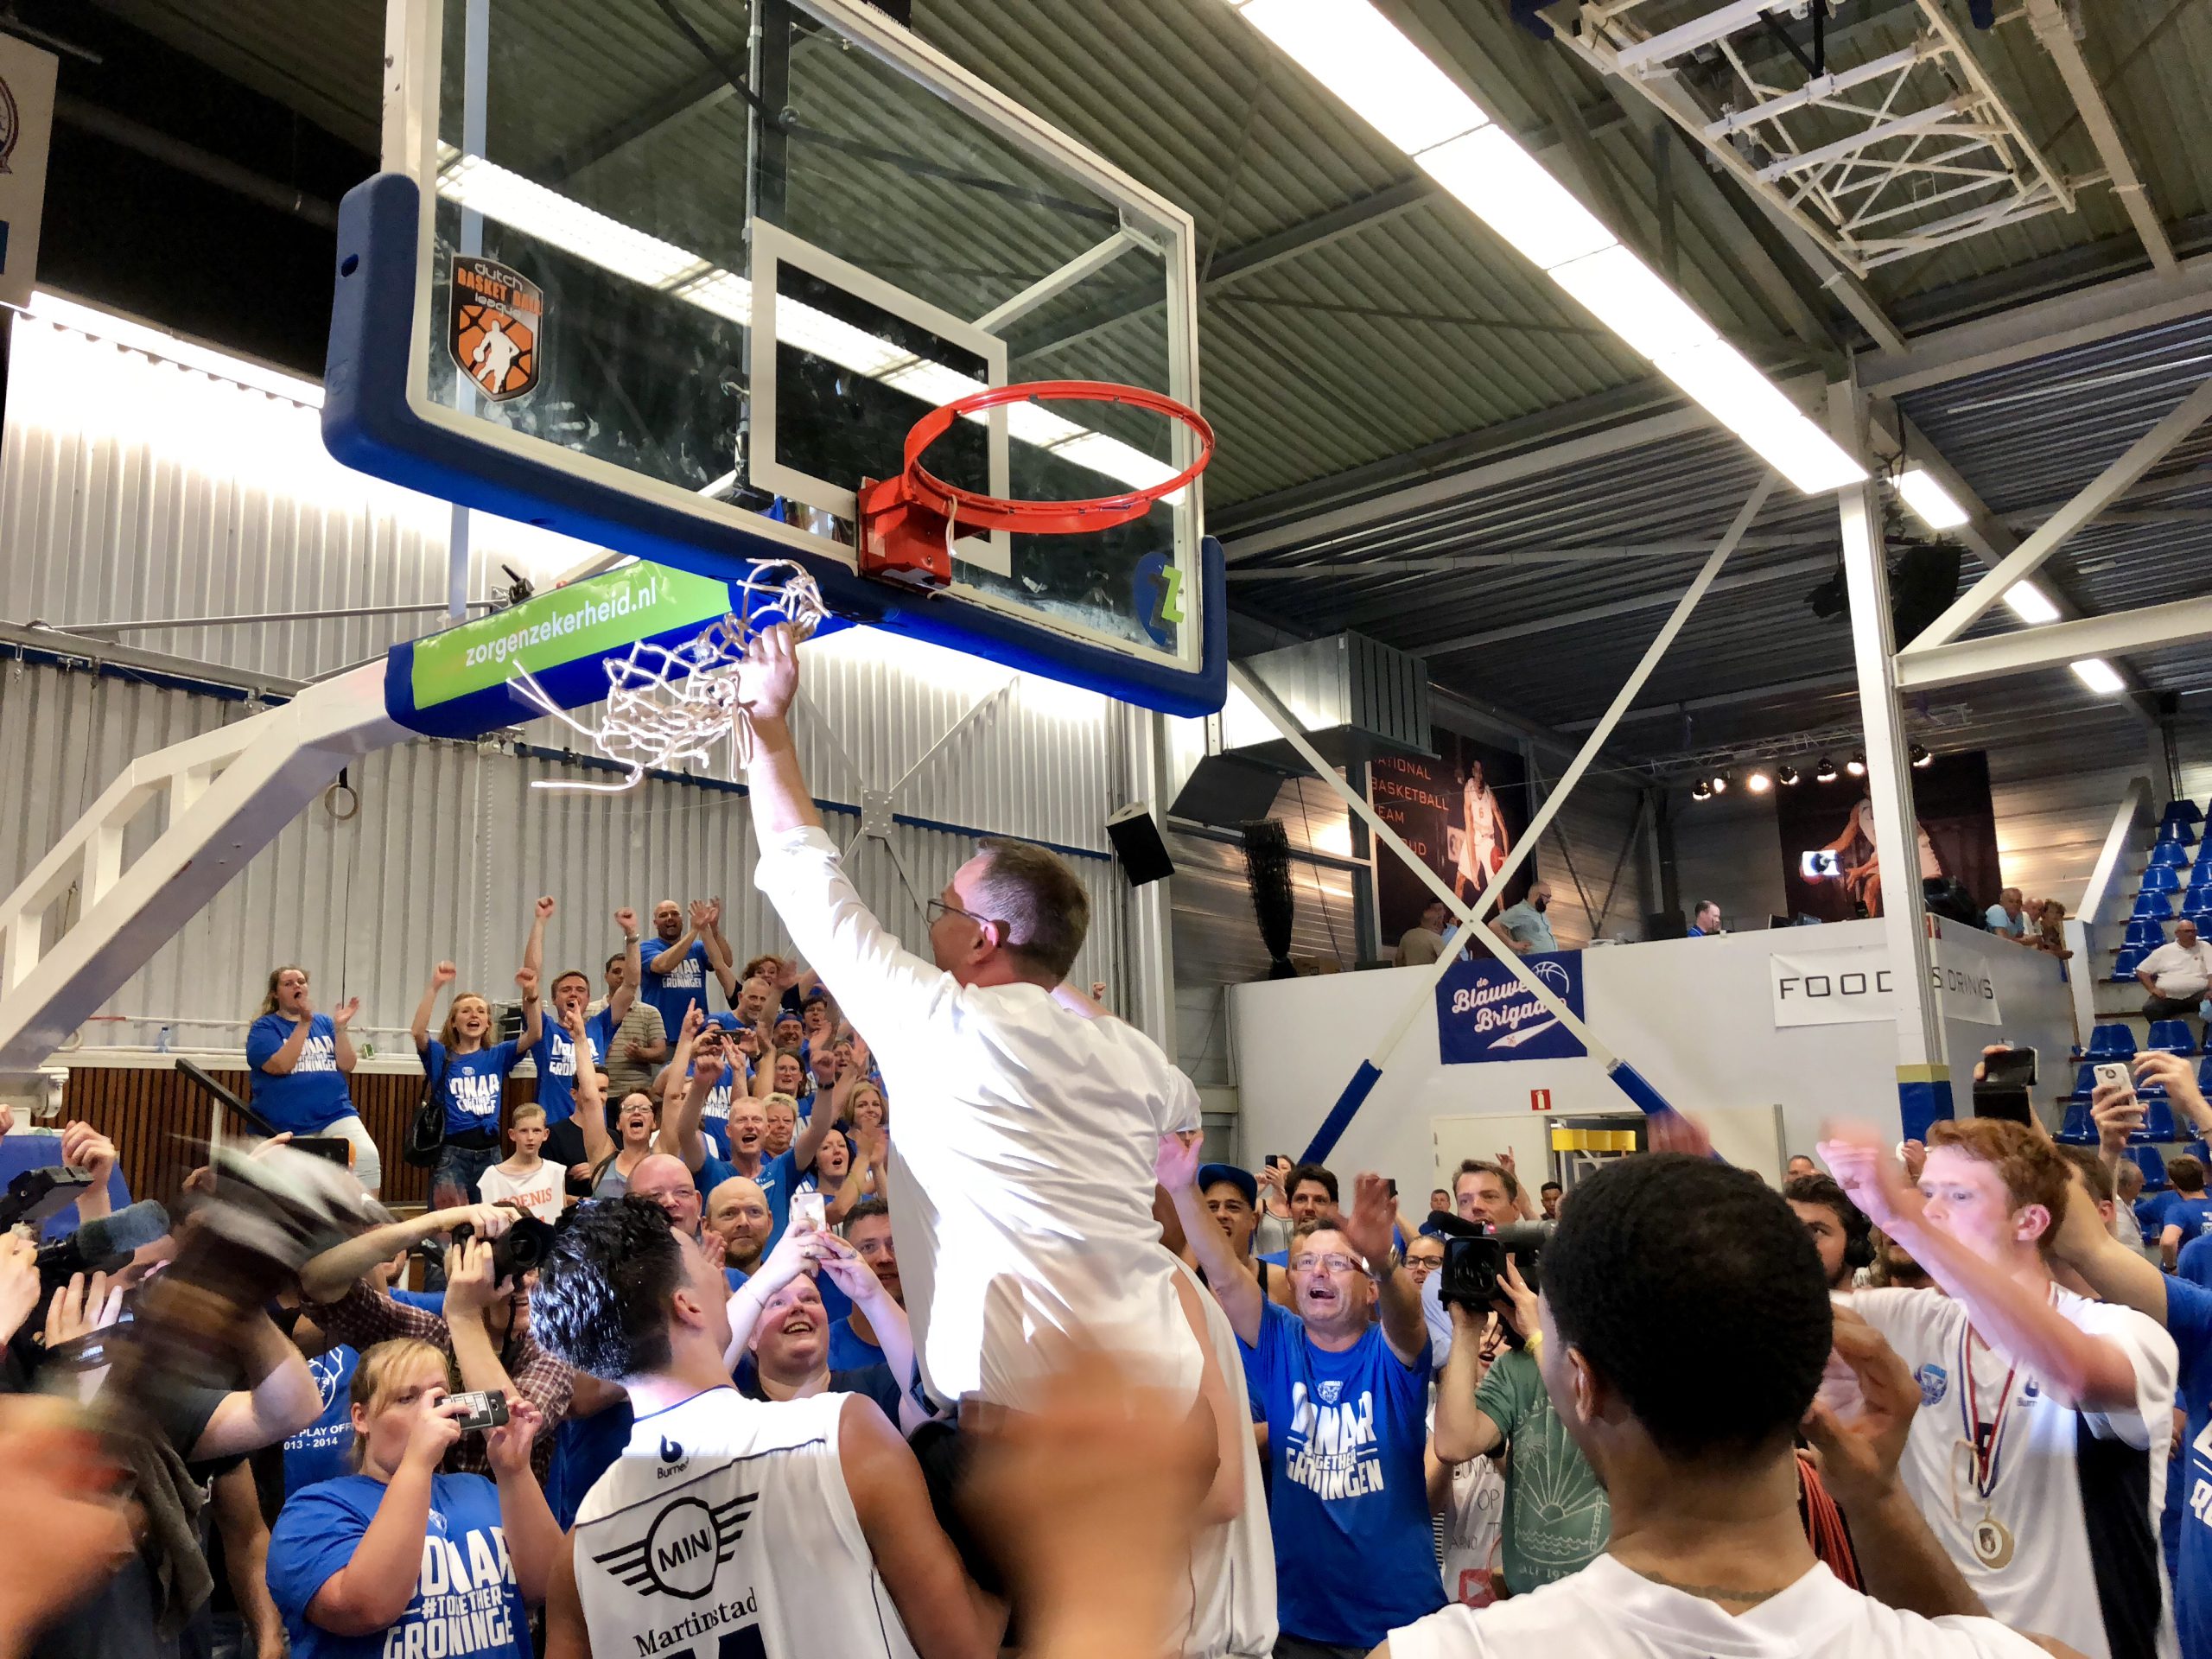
1923 1071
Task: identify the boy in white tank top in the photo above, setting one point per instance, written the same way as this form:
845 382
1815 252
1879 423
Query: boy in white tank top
786 1530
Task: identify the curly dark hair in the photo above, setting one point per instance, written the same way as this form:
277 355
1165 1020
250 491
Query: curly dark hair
604 1289
1662 1249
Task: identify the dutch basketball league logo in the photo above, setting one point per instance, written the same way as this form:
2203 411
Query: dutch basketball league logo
497 315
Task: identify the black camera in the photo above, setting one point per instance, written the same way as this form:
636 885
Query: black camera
1474 1265
518 1250
37 1194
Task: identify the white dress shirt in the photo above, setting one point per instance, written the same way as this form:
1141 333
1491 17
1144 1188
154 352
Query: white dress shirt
1022 1161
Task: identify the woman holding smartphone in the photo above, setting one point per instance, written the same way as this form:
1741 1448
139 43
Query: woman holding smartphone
355 1563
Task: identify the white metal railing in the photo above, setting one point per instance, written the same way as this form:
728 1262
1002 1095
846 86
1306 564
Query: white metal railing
2132 826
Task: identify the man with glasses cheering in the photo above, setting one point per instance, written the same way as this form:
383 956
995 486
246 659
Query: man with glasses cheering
1027 1116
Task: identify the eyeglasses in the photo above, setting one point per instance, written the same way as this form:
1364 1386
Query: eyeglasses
935 907
1423 1264
1333 1262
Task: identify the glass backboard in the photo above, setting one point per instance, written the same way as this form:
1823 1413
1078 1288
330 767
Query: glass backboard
678 279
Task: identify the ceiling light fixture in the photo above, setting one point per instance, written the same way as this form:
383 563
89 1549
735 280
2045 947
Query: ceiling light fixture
1701 791
2030 604
1721 781
1397 89
1825 772
1921 758
1786 777
2100 677
1857 764
1759 783
1934 505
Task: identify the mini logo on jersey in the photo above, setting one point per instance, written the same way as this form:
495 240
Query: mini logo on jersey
669 1450
497 315
1935 1382
679 1554
1330 1391
2031 1392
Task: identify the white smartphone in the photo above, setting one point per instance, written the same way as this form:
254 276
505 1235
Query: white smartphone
812 1208
2115 1072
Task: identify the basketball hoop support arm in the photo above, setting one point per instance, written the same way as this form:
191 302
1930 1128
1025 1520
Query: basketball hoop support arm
1630 1081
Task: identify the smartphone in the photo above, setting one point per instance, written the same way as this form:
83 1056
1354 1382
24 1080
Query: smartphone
2013 1069
1279 1160
480 1411
335 1147
812 1208
1823 865
2117 1071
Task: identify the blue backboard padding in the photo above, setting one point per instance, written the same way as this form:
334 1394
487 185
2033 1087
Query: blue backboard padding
368 424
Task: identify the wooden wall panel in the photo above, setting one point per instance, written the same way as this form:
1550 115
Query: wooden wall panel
158 1121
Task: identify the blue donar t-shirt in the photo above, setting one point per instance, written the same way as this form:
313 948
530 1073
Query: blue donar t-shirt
465 1585
2189 1318
314 1094
1349 1504
2192 1216
324 1449
556 1059
472 1083
674 992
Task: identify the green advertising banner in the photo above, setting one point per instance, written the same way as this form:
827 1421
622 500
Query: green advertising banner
587 619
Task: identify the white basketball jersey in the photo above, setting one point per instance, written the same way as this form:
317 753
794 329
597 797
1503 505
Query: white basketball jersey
725 1531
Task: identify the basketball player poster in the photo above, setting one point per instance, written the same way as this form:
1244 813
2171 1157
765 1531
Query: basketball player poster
1462 812
1832 865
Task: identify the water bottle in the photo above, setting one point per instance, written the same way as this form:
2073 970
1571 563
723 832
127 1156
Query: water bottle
162 1042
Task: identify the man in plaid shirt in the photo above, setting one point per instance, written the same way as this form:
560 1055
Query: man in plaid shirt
486 1329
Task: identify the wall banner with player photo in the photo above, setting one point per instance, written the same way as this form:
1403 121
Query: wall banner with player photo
1832 869
1461 812
1483 1012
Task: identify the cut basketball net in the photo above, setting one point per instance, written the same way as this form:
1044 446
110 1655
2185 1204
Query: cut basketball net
907 523
668 706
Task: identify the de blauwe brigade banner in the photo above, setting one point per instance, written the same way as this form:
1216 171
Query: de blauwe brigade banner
1483 1014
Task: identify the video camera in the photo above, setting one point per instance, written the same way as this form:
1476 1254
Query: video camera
1474 1261
36 1195
516 1251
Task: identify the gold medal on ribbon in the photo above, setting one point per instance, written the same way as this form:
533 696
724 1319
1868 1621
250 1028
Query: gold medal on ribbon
1993 1542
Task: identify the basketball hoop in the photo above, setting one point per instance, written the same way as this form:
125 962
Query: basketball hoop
907 523
669 705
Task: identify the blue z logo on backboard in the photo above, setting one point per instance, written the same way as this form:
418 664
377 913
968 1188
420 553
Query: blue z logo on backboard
1483 1012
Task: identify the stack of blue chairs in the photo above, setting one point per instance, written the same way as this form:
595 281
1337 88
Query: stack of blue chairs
2162 878
2198 901
2154 905
2152 1166
2111 1041
2170 856
2170 1037
2204 1073
2186 812
2144 934
2123 967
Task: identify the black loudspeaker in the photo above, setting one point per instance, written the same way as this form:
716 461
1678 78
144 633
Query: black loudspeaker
1923 584
1137 845
1665 924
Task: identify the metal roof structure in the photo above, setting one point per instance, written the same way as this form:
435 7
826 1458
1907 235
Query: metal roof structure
1392 382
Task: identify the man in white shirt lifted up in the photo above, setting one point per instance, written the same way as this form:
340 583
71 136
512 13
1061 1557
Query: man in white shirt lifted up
2038 1456
1029 1117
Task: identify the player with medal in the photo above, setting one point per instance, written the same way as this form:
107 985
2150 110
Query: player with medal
2038 1455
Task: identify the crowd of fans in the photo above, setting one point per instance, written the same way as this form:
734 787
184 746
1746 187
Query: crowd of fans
1029 1372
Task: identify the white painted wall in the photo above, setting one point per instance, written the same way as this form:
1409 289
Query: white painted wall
1693 1015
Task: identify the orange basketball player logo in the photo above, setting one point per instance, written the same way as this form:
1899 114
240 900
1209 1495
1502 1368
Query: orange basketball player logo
497 313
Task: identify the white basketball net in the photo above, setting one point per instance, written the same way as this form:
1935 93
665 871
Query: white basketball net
667 707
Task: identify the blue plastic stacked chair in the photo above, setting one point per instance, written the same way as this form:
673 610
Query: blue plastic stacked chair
2157 1122
2162 878
2204 1072
2182 812
2198 902
2123 966
2174 829
2079 1129
2200 873
2170 1037
2112 1042
2144 934
2156 906
2199 1151
2170 856
2152 1166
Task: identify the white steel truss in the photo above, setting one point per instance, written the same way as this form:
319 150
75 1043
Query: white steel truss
1876 157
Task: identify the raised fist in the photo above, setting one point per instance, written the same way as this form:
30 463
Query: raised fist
545 907
444 973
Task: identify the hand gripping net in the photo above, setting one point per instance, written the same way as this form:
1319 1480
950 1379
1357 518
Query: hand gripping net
668 706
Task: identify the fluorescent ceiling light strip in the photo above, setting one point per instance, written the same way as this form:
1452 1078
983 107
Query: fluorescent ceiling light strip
486 187
1929 500
2100 677
1359 54
154 343
2030 604
1355 52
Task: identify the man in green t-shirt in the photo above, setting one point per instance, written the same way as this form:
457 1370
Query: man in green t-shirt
1556 1519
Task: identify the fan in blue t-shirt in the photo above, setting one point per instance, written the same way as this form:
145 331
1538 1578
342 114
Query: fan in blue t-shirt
679 959
469 1077
300 1059
324 1449
2188 1470
2188 1214
554 1054
464 1584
